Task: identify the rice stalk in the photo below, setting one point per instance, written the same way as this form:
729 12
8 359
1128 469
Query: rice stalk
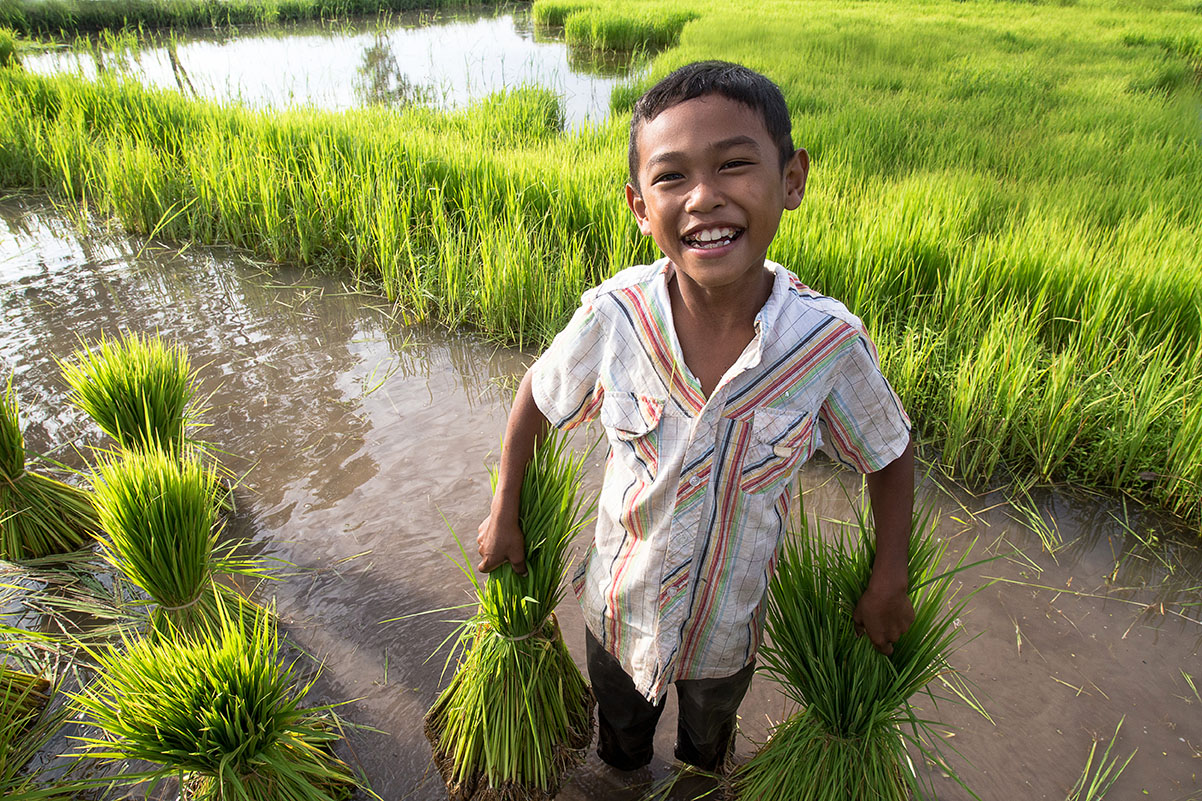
220 709
39 515
158 514
29 718
517 712
138 389
849 741
1096 780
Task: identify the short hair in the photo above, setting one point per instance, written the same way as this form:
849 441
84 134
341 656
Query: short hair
732 81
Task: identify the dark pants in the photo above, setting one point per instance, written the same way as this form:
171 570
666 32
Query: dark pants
626 720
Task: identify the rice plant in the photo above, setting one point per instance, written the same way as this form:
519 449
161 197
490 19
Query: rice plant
29 718
8 49
39 515
849 739
517 712
1096 780
221 710
158 514
138 389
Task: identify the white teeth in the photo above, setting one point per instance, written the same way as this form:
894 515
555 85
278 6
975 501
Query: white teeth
712 237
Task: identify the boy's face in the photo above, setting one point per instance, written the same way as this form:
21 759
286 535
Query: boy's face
712 189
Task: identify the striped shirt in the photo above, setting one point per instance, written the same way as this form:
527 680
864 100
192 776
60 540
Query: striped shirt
696 491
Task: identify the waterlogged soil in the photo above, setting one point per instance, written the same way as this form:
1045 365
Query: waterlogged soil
446 58
364 441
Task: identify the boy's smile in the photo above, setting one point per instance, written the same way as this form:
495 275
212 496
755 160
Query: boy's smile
712 190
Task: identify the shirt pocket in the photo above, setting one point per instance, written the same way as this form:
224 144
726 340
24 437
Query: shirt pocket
780 442
631 424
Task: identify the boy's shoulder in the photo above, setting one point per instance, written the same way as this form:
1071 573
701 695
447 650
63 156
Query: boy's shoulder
801 299
638 275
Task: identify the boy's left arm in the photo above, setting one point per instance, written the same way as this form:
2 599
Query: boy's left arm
884 611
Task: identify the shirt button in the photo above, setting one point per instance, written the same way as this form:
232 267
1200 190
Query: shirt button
694 481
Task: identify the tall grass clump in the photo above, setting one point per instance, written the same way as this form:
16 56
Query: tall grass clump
606 29
517 712
8 49
158 514
556 12
221 710
138 389
849 739
39 515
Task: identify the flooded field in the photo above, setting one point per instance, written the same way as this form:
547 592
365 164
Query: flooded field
364 442
446 58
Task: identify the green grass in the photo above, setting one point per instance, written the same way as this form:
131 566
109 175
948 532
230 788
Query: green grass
849 738
222 710
66 17
605 29
556 12
9 57
1004 193
517 712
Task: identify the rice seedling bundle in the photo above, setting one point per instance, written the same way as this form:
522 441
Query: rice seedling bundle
849 739
138 389
158 514
517 713
22 698
29 718
39 515
222 710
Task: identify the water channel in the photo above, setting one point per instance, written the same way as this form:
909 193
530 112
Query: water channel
364 442
447 58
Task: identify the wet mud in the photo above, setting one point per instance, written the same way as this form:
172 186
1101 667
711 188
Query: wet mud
363 444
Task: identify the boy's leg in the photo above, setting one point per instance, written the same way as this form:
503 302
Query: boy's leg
625 719
706 728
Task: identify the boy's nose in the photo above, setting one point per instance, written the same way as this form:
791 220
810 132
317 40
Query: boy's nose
704 196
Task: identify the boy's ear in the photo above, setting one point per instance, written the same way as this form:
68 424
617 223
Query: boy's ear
797 169
635 201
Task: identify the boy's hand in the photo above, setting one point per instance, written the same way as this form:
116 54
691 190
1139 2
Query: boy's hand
884 615
500 542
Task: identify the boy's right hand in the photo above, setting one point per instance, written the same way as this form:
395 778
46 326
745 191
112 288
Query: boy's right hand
499 540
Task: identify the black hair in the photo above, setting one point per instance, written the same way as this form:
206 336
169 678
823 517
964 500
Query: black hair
732 81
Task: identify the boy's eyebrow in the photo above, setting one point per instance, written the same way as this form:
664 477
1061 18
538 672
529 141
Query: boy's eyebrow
725 144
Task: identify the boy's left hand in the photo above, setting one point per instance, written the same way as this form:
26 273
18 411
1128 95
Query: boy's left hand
884 615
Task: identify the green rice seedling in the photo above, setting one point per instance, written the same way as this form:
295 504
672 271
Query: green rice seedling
22 697
1095 782
849 739
606 29
222 710
29 718
556 12
517 712
158 514
138 389
39 515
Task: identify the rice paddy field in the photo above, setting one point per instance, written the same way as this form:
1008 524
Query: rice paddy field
1005 192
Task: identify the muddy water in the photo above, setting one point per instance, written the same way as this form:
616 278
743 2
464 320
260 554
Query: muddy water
447 58
364 442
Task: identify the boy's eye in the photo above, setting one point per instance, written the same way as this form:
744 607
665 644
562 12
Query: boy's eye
666 176
736 163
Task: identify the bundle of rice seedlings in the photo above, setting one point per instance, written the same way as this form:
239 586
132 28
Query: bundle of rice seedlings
158 514
29 718
517 713
39 515
138 389
849 739
222 710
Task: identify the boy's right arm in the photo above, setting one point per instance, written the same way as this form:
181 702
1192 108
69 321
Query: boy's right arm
500 538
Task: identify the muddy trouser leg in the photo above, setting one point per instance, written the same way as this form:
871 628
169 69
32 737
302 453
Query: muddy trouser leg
706 725
625 719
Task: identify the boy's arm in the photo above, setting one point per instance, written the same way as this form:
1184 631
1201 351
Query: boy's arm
884 611
500 538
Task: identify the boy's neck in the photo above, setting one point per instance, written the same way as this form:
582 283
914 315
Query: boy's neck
715 325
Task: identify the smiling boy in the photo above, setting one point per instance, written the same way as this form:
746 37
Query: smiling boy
715 374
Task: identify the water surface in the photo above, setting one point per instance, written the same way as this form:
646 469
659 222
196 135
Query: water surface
447 58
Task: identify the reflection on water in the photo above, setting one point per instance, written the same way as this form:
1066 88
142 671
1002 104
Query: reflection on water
363 443
449 58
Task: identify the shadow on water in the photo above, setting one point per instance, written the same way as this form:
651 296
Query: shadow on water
363 443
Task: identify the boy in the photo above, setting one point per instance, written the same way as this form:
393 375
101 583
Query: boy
715 375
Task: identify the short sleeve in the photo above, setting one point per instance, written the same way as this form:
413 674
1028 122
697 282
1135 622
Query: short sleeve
861 421
566 378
